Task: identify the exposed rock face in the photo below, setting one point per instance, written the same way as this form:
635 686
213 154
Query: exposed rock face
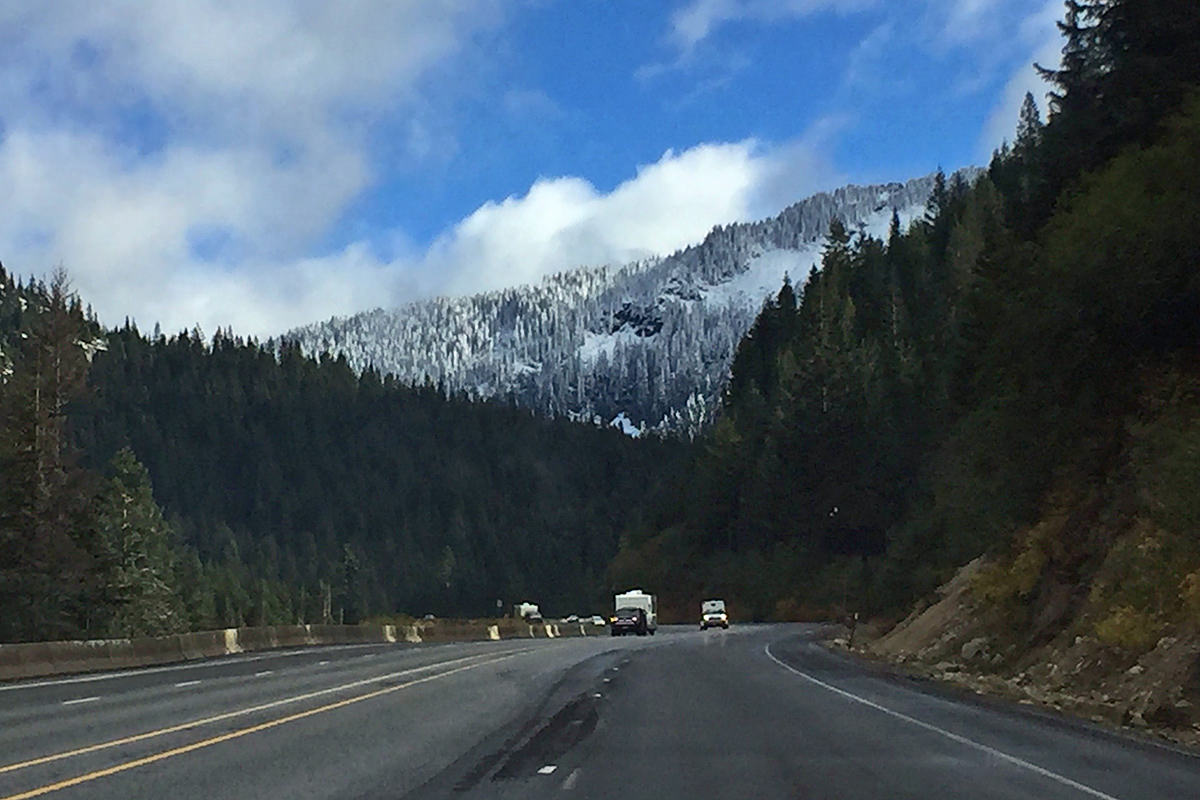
960 640
976 649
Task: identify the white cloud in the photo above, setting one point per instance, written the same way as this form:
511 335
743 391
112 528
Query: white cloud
133 131
964 21
530 104
565 222
185 159
267 69
1042 41
124 233
862 63
694 22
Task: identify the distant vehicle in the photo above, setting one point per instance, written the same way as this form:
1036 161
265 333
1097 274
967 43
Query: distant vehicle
571 619
599 621
629 620
429 618
713 614
647 603
528 612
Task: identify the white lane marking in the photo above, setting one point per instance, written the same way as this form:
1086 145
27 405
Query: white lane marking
79 700
182 684
548 769
569 783
263 673
196 723
162 755
597 694
198 664
322 663
954 737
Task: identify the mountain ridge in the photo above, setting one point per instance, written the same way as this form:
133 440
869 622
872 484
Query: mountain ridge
644 346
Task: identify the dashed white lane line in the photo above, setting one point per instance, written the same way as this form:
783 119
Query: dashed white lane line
79 700
569 783
196 723
954 737
548 769
322 663
237 733
263 673
204 664
182 684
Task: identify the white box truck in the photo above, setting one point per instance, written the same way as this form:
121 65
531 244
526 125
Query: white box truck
634 612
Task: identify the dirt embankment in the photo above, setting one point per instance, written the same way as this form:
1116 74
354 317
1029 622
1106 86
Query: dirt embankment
960 639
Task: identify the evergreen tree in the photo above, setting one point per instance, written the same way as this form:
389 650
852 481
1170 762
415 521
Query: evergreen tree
1029 124
45 549
138 561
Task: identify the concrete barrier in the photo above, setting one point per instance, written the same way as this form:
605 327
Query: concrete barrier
205 644
40 659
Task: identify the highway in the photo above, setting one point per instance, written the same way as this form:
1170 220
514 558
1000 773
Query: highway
756 711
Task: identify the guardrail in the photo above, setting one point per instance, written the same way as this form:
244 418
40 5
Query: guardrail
41 659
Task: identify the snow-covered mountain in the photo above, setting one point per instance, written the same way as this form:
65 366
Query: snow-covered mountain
646 345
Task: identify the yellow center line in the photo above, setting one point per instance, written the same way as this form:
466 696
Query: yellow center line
196 723
225 737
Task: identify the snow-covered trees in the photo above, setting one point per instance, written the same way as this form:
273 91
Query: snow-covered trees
652 340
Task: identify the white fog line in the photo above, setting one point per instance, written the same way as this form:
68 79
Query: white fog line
79 700
954 737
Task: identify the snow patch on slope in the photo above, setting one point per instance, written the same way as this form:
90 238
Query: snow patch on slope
764 276
625 425
596 343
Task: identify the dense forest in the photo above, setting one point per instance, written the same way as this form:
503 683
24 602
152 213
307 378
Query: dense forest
277 488
1015 375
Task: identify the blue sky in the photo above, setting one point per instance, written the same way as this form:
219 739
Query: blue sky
266 164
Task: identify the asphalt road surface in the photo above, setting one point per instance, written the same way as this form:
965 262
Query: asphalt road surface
753 712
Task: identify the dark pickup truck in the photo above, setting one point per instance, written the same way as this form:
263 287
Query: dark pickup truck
629 620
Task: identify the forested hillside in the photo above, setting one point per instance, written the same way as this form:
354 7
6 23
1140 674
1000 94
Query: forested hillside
291 489
1014 375
649 342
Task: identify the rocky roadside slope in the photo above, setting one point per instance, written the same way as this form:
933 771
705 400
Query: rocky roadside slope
958 639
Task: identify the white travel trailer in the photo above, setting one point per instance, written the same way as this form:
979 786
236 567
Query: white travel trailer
646 622
528 612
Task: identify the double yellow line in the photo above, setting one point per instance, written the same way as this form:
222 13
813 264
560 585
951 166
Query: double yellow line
177 751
